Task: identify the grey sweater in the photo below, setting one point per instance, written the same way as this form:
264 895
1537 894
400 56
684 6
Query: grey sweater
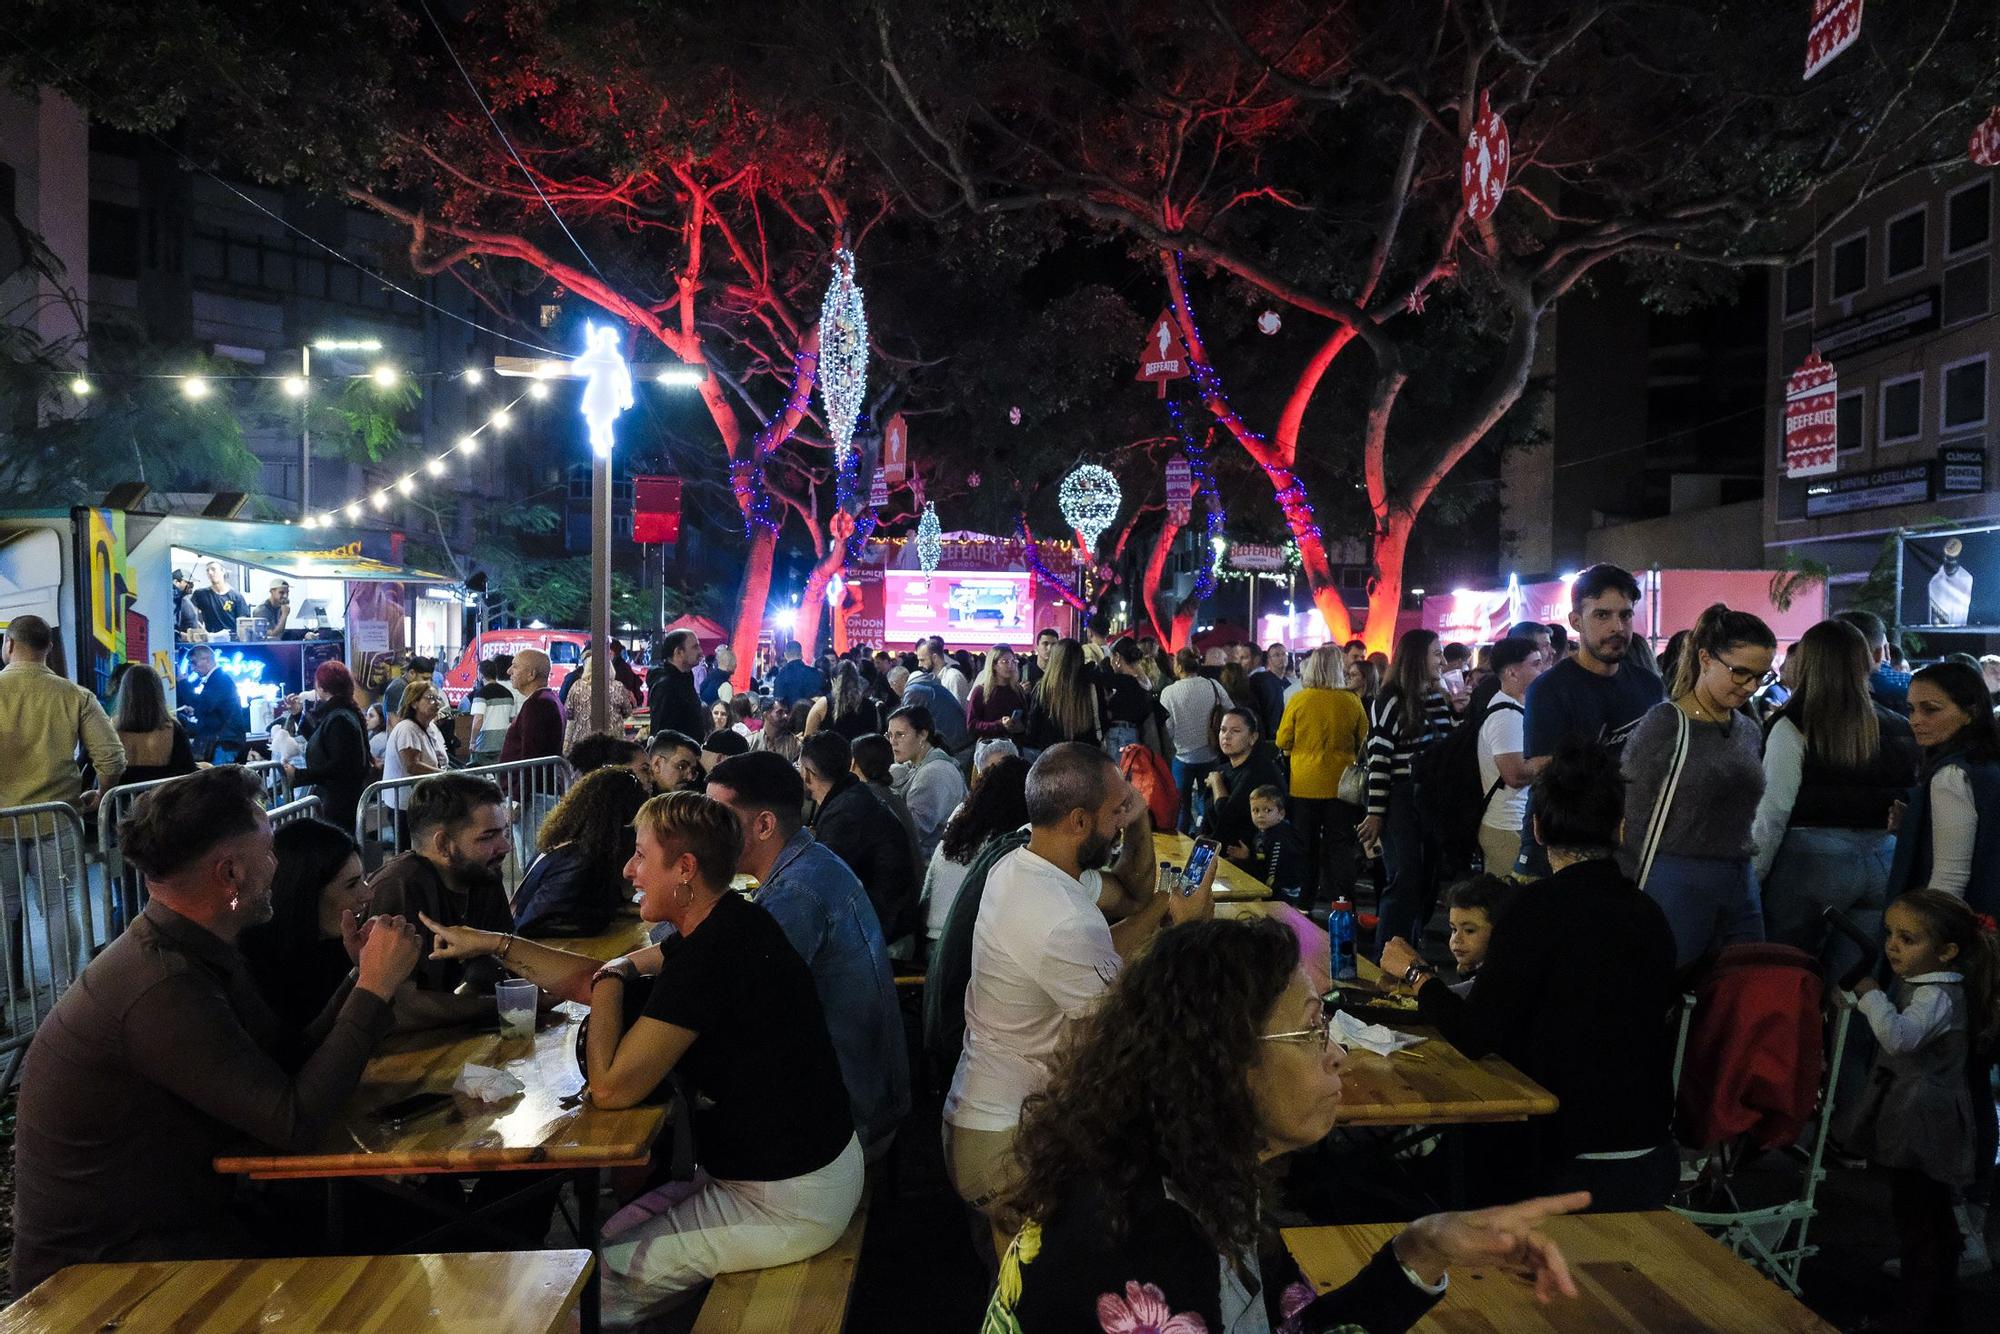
1719 789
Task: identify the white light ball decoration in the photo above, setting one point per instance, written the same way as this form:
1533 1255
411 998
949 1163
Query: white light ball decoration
843 353
930 539
1269 323
1090 500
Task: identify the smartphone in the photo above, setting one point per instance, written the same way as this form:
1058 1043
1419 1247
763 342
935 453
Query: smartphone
1197 865
407 1109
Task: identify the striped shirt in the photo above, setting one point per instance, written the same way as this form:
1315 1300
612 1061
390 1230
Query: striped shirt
1389 753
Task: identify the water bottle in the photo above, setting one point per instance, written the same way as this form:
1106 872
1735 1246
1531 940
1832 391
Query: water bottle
1340 937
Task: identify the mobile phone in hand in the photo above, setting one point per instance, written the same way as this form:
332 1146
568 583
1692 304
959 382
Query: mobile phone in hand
1197 865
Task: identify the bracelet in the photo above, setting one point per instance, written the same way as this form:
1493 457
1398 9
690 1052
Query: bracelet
508 946
621 968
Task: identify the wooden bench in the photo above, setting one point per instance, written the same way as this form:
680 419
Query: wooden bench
809 1297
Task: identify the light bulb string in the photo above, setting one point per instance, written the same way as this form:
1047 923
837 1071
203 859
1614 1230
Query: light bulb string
405 486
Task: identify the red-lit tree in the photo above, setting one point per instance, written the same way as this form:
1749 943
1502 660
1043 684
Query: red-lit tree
1307 155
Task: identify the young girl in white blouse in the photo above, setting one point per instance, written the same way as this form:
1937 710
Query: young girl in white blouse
1916 1118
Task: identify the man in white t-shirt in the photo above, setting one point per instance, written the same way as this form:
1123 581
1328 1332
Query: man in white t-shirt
1057 920
1503 773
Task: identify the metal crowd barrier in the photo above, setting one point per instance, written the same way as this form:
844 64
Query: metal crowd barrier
271 773
300 808
49 935
532 787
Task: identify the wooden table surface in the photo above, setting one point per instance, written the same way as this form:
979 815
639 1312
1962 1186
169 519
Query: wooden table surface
389 1294
1646 1271
542 1127
1232 883
626 934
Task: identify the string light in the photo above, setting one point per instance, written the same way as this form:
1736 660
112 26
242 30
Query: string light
1203 479
468 444
295 386
538 391
500 420
380 500
80 387
843 352
385 377
195 387
435 467
1032 558
1090 499
406 485
473 376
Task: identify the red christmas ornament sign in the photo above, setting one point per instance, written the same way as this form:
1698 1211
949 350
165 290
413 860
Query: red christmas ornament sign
1483 177
1984 146
1835 25
895 448
1811 438
1164 356
1180 490
878 490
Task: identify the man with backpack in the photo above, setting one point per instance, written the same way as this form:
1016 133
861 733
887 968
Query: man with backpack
1472 781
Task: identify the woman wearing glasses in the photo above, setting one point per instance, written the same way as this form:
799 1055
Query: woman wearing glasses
1694 772
1145 1204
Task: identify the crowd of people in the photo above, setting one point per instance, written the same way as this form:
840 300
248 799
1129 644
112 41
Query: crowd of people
1598 823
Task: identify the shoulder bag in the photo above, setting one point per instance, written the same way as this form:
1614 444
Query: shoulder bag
1663 805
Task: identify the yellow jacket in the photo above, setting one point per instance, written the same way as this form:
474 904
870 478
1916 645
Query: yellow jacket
1322 730
43 718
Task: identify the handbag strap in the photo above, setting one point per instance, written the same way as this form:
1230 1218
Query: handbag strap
1656 828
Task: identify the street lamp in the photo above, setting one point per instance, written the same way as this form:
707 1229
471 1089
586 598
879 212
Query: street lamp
607 392
300 387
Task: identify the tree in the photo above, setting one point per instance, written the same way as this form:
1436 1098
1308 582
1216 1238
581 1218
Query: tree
1307 156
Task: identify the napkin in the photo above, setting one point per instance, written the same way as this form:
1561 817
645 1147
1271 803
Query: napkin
486 1083
1351 1032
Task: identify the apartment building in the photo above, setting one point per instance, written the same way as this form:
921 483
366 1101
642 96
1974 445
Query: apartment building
1900 299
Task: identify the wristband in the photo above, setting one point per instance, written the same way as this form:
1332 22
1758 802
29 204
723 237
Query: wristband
623 969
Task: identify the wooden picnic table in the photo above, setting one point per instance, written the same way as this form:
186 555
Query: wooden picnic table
1638 1271
546 1128
470 1293
1232 882
627 933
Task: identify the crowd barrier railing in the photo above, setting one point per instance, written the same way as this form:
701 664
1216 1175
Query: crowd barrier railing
299 808
49 935
532 786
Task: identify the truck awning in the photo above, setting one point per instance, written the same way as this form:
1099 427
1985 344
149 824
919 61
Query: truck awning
338 564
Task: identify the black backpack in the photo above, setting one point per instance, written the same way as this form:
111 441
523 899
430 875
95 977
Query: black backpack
1450 798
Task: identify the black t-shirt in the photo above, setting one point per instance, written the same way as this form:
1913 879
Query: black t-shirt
761 1076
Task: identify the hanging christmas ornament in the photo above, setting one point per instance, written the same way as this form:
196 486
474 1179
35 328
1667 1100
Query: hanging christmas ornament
895 448
1811 399
1835 25
1090 500
972 480
843 352
1483 177
1014 416
1269 323
1180 490
930 540
878 490
1163 356
1984 146
1414 302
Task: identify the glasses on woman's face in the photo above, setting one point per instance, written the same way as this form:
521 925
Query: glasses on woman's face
1319 1037
1747 676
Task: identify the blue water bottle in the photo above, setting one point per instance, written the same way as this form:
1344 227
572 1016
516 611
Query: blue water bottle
1340 936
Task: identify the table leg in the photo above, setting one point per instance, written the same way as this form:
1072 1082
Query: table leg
586 1236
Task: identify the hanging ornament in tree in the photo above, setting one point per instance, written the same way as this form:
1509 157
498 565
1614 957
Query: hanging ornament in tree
1812 397
930 540
878 490
1090 500
1269 323
1180 490
1984 146
1414 302
843 352
1483 176
1014 416
1835 25
972 480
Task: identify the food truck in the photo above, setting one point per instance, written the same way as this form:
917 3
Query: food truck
105 579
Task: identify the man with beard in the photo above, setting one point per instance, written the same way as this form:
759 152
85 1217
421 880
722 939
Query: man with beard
163 1052
673 762
451 875
1056 920
1592 694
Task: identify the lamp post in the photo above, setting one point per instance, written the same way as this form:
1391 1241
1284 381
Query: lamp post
305 405
607 392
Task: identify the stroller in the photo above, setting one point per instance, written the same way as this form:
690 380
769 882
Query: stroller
1762 1051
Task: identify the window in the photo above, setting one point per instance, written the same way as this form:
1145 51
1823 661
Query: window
1902 409
1850 266
114 240
1968 218
1849 414
1799 289
1903 245
1965 393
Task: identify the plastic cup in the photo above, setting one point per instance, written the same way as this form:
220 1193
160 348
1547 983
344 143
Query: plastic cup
516 999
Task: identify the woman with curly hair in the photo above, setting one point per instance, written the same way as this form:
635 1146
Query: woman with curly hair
1144 1206
576 886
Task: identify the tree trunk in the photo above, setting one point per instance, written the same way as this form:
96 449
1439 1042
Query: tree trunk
750 605
1385 590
